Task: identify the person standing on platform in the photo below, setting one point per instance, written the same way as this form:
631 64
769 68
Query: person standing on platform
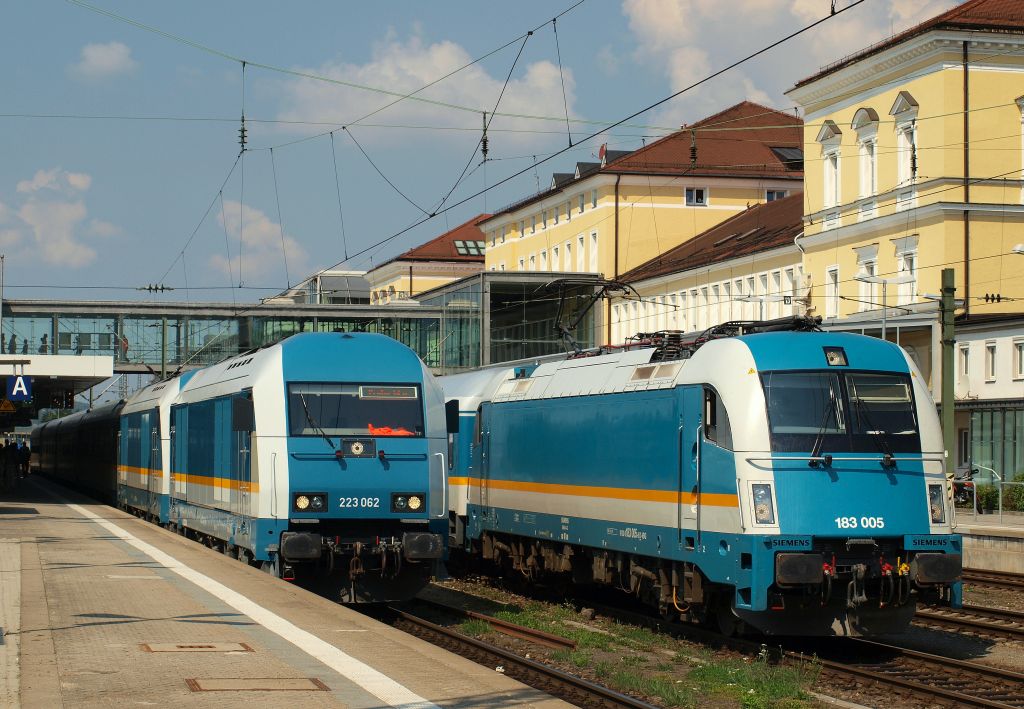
24 457
43 344
11 463
5 477
12 344
24 345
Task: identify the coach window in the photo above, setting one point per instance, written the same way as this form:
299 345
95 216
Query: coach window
716 420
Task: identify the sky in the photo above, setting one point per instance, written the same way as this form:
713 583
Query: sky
120 158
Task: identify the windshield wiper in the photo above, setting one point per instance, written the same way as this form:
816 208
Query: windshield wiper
878 436
819 440
314 425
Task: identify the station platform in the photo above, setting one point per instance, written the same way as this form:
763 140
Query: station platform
101 609
990 543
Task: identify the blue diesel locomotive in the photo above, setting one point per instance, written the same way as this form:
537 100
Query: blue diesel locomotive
764 474
322 456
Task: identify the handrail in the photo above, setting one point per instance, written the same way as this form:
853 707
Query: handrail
830 459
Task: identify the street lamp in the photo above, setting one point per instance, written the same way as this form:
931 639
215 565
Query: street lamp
905 277
762 299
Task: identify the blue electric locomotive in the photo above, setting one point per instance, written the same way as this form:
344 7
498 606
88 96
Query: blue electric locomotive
322 456
789 480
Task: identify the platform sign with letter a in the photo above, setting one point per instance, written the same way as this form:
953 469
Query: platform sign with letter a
19 388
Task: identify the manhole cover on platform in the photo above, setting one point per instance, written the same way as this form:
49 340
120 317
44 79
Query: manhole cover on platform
257 684
196 647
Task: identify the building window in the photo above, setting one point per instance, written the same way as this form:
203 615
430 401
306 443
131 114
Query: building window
568 256
593 199
964 438
831 179
725 309
555 263
522 264
522 228
990 361
772 195
696 197
544 219
503 231
832 292
533 224
965 360
501 266
681 313
543 260
583 200
568 211
866 292
580 253
868 169
493 238
907 264
593 252
555 213
906 153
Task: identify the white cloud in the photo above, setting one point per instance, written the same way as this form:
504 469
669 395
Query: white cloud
57 180
405 66
261 245
53 227
99 61
10 238
98 227
688 39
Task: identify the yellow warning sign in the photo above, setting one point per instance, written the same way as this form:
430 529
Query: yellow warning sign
6 407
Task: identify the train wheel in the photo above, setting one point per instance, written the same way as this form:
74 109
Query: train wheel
728 624
270 567
243 555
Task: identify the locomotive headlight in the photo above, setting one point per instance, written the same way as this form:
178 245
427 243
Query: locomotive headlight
936 504
399 503
309 502
764 508
415 502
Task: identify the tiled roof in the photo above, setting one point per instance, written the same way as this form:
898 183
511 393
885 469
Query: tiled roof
984 15
463 243
736 142
761 228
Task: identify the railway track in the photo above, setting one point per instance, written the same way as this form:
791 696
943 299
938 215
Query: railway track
555 682
921 675
907 673
978 619
994 579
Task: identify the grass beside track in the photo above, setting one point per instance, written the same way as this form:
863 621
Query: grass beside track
660 668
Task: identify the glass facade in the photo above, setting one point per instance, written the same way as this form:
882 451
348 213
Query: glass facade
997 442
483 319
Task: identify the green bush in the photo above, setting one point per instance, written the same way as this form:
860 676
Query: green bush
988 497
1013 495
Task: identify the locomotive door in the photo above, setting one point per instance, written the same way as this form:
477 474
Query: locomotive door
155 465
242 424
689 432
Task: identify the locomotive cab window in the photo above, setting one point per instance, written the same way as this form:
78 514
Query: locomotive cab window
831 412
316 409
716 420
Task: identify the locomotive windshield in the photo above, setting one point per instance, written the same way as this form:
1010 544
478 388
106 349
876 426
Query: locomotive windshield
837 412
354 410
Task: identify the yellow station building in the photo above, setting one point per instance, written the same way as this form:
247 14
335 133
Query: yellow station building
914 155
614 216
